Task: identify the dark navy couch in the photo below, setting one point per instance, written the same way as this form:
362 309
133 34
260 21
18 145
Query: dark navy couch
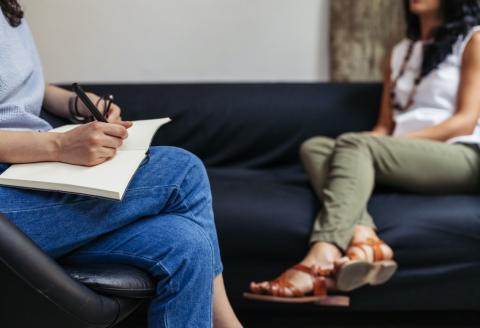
248 136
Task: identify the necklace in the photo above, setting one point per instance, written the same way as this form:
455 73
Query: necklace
393 96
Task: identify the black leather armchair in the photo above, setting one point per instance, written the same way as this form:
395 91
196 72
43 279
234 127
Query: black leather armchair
38 292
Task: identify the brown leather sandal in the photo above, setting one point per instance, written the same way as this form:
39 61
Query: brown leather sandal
278 289
360 272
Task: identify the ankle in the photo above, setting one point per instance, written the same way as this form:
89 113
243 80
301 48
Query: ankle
363 233
322 253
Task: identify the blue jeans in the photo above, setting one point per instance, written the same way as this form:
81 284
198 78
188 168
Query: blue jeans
164 225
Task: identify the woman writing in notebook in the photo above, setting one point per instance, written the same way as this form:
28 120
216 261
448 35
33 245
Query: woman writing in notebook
426 140
164 225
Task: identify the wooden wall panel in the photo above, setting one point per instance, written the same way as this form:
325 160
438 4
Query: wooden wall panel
362 32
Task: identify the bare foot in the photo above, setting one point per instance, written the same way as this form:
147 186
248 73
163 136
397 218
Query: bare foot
321 255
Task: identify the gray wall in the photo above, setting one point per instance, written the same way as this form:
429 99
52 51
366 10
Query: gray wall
181 40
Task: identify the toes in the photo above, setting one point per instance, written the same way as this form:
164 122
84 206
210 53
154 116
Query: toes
387 251
286 292
265 285
261 287
269 288
254 287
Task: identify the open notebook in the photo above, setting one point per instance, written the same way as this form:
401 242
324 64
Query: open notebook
109 179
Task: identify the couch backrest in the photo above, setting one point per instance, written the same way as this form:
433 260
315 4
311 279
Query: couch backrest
248 125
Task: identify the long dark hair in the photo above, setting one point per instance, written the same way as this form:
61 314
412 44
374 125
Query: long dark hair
459 16
13 11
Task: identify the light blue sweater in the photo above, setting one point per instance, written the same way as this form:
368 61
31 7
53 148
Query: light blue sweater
22 85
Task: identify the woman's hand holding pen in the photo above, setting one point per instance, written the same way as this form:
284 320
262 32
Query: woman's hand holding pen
96 142
90 144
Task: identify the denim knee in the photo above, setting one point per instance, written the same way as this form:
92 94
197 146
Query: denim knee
192 260
183 159
184 294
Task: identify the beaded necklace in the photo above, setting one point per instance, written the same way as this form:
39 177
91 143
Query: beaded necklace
393 97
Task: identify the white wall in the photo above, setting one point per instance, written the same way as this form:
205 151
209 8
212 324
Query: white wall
181 40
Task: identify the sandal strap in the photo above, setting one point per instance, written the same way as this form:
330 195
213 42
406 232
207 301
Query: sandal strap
375 244
314 271
318 275
279 286
319 286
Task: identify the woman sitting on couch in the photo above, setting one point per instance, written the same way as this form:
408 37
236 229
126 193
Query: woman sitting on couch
426 140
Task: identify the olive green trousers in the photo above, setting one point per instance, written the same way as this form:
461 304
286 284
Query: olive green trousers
343 173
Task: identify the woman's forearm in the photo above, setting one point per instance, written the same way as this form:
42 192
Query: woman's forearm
56 100
28 147
455 126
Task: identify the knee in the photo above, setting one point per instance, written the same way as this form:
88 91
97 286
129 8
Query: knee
314 145
196 175
192 252
178 155
352 140
192 165
196 248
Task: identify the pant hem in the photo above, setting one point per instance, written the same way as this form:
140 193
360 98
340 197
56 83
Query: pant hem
340 238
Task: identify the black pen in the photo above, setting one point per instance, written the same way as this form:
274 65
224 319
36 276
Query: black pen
88 103
108 103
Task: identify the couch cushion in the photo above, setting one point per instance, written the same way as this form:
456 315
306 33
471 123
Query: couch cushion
262 214
248 125
429 230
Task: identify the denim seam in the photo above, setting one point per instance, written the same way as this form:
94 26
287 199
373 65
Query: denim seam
170 289
190 217
154 186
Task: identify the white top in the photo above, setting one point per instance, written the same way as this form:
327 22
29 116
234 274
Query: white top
436 97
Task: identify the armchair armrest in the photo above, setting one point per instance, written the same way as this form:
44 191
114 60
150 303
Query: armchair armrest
21 258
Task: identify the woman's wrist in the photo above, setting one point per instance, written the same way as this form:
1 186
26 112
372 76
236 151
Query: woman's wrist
80 107
380 131
53 146
74 112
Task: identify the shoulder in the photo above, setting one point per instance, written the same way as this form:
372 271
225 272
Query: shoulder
401 46
471 52
397 53
399 50
474 40
470 41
